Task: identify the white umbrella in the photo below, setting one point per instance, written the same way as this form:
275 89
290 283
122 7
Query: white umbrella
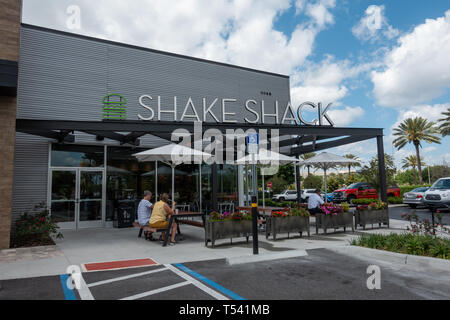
172 155
266 158
326 161
164 171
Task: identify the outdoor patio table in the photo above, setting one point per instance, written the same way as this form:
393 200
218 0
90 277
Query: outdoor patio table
182 215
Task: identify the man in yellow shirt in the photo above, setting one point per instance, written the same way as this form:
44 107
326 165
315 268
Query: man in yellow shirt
161 212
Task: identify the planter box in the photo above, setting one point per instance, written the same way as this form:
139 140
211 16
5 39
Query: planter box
331 221
371 217
215 230
275 225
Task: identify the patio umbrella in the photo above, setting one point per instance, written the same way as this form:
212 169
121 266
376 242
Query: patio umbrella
172 155
266 158
164 171
327 161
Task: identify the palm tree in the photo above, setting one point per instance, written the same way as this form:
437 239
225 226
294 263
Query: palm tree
445 125
411 162
416 130
307 156
350 165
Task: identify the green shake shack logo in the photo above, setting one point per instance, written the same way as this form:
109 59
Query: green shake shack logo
114 107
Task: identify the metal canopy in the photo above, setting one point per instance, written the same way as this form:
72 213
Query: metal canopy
298 139
294 139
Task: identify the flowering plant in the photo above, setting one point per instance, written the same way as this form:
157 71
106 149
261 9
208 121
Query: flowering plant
333 209
35 228
362 207
345 207
302 212
215 216
279 214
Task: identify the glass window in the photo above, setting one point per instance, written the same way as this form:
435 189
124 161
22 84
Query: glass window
126 180
77 156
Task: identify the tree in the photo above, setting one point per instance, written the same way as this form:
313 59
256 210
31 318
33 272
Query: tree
307 156
278 184
370 172
350 165
312 182
406 177
416 130
286 172
445 125
411 162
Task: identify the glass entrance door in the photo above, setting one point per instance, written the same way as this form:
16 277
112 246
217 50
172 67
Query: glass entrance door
77 198
90 199
63 198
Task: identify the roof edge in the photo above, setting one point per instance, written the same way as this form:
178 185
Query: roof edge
90 38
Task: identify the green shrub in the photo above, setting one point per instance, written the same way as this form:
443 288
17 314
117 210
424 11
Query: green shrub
415 244
363 201
35 228
395 200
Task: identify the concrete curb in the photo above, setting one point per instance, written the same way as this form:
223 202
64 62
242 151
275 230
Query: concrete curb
417 263
397 205
266 257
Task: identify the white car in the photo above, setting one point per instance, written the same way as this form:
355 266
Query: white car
286 195
438 196
306 193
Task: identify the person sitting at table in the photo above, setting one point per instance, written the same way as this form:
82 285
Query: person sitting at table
145 212
315 201
161 212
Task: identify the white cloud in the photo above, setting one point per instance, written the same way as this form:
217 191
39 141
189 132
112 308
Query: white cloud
418 69
373 24
345 116
319 11
239 32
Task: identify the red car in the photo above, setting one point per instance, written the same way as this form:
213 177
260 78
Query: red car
361 190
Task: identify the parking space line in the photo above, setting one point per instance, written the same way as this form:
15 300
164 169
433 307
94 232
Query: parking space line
196 283
83 290
152 292
99 283
210 282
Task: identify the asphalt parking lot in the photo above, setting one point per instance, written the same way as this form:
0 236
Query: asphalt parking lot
322 274
422 212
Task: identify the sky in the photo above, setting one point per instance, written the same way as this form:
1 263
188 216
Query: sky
378 62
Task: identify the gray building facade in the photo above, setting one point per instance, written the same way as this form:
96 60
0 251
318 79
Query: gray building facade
63 76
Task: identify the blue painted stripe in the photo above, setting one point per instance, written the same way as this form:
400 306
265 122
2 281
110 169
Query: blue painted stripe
68 293
229 293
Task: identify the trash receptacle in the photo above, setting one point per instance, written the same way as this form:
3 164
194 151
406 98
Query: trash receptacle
125 215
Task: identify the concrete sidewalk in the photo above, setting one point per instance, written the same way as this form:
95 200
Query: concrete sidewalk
101 245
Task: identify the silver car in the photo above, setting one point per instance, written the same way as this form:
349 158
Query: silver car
415 197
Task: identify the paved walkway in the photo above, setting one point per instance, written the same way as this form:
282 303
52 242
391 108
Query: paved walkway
103 245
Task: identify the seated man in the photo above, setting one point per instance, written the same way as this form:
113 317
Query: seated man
144 212
162 211
315 201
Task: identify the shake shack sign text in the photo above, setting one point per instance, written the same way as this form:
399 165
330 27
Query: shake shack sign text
153 108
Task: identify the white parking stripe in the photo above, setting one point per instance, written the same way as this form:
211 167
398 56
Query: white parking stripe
85 293
197 283
149 293
99 283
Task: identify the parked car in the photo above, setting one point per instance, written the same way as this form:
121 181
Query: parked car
438 196
415 197
361 190
286 195
306 193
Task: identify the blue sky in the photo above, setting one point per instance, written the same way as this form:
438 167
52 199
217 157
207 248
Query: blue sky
379 62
